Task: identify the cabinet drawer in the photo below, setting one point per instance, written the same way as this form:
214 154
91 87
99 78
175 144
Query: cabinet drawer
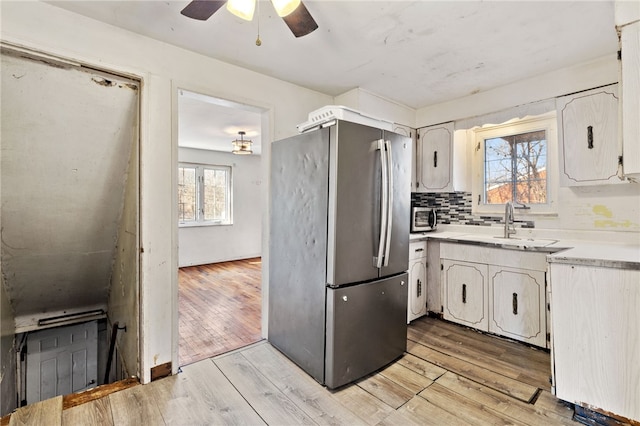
417 250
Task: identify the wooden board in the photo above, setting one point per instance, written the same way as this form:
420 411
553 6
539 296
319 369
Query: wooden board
545 412
491 379
518 361
362 404
265 398
386 390
406 377
418 411
201 395
316 401
97 412
47 412
470 410
488 362
421 366
101 391
135 406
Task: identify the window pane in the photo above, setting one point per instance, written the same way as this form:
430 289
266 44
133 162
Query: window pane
498 171
516 166
532 167
186 194
216 195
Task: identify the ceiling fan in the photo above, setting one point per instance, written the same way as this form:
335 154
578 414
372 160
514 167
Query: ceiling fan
293 12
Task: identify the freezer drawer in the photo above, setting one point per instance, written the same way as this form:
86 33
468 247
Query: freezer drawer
366 328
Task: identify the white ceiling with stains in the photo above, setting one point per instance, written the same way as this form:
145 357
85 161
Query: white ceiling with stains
417 53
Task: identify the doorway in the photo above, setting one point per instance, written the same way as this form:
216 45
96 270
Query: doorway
219 226
70 221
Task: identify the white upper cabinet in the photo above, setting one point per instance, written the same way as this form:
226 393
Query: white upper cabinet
434 161
630 77
588 137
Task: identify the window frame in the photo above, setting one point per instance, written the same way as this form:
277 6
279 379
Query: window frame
199 175
546 122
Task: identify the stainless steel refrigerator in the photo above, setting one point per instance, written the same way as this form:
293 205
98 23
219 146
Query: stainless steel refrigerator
339 249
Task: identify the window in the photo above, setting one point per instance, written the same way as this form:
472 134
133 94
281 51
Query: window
204 194
513 164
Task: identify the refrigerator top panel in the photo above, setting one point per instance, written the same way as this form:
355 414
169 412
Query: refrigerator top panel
355 207
339 112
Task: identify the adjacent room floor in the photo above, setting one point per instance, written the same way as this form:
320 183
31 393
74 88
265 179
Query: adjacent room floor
450 375
219 308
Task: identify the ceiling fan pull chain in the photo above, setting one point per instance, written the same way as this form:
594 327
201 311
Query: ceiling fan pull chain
258 41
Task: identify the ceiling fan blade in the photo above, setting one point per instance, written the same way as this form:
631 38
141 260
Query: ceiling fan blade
300 21
202 9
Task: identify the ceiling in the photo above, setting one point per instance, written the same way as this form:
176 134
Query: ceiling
417 53
209 123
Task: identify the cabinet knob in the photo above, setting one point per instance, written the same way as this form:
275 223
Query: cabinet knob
590 137
464 293
514 303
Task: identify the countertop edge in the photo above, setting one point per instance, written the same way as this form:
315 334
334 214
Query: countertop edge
575 252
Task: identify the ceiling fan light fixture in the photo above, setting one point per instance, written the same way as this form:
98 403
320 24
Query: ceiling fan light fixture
285 7
242 8
241 146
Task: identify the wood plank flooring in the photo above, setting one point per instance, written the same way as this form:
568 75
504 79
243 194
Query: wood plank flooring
450 375
219 308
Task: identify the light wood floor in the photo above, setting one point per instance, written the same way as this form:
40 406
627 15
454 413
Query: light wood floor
450 375
219 308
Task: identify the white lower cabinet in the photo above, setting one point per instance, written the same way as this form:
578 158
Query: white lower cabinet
517 304
487 289
465 293
417 303
596 337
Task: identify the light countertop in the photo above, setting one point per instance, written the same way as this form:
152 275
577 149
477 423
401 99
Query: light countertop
578 252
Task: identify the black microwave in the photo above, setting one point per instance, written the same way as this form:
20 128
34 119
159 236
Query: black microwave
423 219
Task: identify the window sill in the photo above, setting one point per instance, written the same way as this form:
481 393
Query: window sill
202 224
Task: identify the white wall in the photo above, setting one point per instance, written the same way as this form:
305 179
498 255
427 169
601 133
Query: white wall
241 240
162 68
377 106
123 306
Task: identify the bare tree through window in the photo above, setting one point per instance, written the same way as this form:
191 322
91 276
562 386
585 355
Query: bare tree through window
516 168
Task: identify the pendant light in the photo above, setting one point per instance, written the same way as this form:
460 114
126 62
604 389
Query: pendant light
242 146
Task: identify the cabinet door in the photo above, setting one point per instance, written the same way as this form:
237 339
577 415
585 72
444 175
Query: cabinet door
630 43
596 337
417 289
434 160
517 304
588 137
465 293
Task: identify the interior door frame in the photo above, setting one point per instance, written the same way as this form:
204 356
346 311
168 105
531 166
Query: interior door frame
48 55
267 125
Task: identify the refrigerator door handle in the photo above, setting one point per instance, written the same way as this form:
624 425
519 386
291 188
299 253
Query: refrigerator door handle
389 207
384 170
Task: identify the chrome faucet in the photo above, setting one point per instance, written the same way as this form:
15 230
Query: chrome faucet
509 227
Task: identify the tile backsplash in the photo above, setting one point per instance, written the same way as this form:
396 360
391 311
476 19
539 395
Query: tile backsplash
454 208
